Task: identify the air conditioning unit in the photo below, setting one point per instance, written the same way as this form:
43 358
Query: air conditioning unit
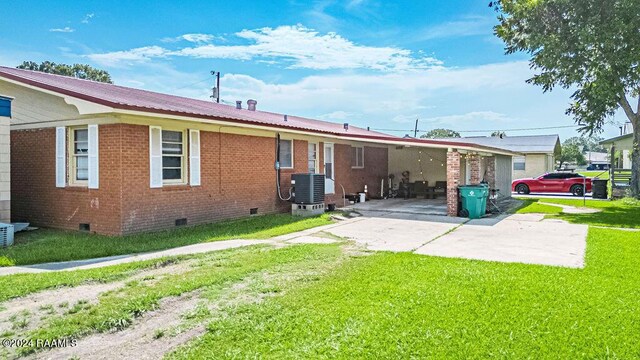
6 235
307 188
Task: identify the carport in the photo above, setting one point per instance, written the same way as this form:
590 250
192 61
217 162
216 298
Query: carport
433 169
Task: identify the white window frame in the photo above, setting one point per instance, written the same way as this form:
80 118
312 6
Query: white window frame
292 157
183 169
356 165
316 168
72 156
523 162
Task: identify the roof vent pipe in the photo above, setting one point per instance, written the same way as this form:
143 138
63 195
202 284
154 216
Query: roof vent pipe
346 126
238 104
251 104
286 117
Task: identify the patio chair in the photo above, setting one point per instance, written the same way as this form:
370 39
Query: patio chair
492 205
420 188
440 188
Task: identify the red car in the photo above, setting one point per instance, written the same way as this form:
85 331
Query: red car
553 183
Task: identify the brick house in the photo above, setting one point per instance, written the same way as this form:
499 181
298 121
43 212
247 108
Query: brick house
117 160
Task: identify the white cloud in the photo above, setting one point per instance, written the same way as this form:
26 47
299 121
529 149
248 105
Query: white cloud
142 54
296 46
87 18
193 38
65 29
337 115
480 97
474 116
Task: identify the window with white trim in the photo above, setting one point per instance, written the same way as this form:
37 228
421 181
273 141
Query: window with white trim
173 156
518 163
79 156
286 154
313 157
357 157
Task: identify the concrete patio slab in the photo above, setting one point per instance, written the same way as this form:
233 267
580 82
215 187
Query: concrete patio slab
393 233
409 206
521 238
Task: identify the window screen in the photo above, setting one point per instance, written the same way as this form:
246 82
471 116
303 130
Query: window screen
357 157
172 155
81 154
286 154
518 163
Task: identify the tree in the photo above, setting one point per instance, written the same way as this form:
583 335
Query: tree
587 143
499 134
440 133
588 45
571 153
80 71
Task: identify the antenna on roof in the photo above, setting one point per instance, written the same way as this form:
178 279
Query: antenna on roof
216 89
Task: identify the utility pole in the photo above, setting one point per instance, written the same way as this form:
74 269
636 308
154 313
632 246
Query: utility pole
216 89
415 130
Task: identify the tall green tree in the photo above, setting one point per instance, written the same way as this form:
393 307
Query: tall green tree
592 46
80 71
440 133
587 143
571 153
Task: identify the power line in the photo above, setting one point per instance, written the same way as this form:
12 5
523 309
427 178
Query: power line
487 130
195 83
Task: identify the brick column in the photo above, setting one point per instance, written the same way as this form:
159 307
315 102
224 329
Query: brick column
490 170
453 180
474 165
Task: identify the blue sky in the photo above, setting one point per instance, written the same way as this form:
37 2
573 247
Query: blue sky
369 63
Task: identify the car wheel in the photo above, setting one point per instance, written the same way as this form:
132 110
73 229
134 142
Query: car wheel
577 190
522 189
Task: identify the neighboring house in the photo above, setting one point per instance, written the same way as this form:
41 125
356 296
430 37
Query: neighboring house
117 160
596 160
538 152
5 159
623 146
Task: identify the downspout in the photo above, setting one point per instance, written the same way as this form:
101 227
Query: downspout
277 168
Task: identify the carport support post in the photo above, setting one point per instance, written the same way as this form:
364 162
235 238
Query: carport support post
474 164
453 180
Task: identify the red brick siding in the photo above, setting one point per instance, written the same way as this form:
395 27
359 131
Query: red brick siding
237 174
376 168
474 164
453 180
36 198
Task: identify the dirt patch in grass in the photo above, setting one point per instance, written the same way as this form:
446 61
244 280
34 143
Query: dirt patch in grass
21 315
142 340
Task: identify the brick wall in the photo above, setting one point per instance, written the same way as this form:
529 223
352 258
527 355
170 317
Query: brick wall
237 174
36 198
490 170
376 168
453 180
474 165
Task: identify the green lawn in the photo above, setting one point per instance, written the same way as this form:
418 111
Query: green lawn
47 245
601 174
623 213
532 206
329 301
402 305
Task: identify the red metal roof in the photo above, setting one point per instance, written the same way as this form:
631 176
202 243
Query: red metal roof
125 98
120 97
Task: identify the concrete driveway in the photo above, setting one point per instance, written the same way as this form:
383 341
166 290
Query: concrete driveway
520 238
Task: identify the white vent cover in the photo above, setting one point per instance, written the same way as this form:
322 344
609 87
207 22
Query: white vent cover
6 235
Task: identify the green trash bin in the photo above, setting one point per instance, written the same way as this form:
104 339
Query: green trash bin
474 199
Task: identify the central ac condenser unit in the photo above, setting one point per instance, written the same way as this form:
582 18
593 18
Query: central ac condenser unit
307 188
